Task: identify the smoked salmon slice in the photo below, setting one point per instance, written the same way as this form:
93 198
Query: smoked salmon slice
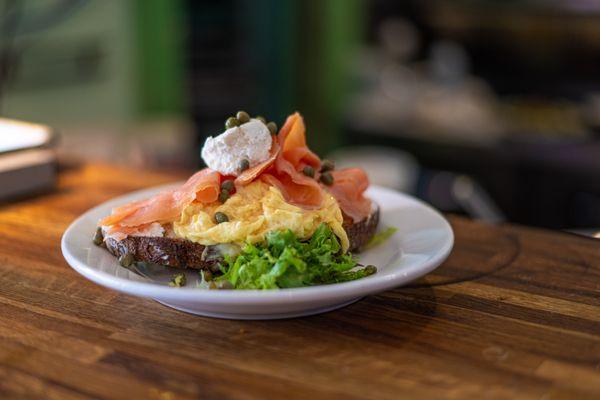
307 193
292 139
348 189
167 206
119 232
284 171
297 188
348 186
252 173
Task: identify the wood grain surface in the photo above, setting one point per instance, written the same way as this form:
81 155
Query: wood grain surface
513 313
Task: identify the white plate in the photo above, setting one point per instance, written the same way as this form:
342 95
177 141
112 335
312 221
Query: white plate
423 241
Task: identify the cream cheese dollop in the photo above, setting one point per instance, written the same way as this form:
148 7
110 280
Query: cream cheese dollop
224 153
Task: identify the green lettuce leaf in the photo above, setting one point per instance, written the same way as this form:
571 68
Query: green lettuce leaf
284 261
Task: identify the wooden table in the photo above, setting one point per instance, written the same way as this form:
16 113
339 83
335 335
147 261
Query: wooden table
513 313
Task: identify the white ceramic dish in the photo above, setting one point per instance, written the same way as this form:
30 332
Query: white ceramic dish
423 241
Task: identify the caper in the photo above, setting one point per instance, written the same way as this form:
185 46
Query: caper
221 217
126 259
231 122
178 280
327 165
370 269
242 116
224 285
309 171
272 126
261 119
98 238
244 164
224 195
207 275
327 178
227 185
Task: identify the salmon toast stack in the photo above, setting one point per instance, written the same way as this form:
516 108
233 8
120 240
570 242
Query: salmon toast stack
300 184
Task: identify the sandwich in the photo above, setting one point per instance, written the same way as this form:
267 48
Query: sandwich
265 213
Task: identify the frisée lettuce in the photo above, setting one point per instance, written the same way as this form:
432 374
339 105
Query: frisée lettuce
284 261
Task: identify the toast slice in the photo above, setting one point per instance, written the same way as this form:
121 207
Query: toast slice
181 253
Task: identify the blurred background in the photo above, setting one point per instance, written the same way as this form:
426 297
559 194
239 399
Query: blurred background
485 108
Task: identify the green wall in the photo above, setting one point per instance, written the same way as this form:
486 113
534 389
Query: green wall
330 35
160 49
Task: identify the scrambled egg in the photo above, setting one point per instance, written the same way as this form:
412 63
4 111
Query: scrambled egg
253 211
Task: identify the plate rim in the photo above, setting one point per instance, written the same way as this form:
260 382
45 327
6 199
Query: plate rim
365 286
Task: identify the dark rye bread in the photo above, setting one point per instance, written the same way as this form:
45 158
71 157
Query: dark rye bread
361 232
182 253
171 252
